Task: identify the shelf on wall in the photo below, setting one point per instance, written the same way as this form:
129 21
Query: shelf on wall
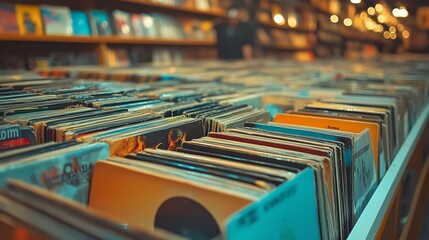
324 11
332 31
106 40
177 8
331 43
362 37
287 48
285 27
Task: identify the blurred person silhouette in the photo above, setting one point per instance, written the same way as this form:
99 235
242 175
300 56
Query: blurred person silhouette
235 35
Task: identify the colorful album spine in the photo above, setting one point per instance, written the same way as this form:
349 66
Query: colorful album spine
68 174
8 21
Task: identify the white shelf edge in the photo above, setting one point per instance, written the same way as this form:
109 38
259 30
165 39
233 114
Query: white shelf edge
370 221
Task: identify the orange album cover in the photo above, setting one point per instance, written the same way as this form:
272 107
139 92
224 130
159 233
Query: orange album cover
145 198
29 19
336 124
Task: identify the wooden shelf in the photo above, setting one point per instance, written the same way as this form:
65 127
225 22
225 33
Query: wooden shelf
106 40
332 31
180 9
331 43
287 48
324 11
362 37
287 28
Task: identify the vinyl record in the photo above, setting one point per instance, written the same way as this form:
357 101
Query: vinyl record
186 217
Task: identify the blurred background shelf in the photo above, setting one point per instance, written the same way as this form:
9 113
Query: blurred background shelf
288 28
214 13
106 40
286 48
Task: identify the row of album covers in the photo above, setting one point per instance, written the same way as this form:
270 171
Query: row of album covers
242 150
60 20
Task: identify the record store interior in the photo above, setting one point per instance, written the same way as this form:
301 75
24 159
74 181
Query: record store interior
214 119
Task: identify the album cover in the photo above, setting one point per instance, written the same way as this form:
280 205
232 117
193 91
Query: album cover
137 24
8 20
285 222
80 23
187 205
101 126
29 19
13 136
100 22
383 114
384 153
259 180
341 125
168 137
360 186
241 167
32 211
276 159
122 22
66 171
57 20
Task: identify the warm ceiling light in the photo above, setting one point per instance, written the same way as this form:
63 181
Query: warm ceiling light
386 34
400 27
363 15
369 24
371 11
347 22
379 8
355 1
380 28
405 34
381 18
334 18
279 19
392 29
400 12
291 21
393 35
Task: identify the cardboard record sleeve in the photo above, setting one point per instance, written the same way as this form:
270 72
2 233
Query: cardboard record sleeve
149 200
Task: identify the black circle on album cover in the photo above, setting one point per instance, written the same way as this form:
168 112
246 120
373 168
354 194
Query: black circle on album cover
187 218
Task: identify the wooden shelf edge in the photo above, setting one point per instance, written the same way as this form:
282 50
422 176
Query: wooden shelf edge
106 40
287 28
357 36
287 48
184 9
331 43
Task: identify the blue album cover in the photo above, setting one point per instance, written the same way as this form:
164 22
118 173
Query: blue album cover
100 22
80 23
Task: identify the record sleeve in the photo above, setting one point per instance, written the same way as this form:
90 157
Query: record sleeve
29 19
100 23
80 23
8 21
66 172
57 20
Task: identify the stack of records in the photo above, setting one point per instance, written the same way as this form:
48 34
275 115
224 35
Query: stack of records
27 212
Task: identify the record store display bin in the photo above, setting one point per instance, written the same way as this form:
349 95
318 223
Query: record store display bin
211 149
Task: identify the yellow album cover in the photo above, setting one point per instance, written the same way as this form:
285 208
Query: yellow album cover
29 19
143 198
